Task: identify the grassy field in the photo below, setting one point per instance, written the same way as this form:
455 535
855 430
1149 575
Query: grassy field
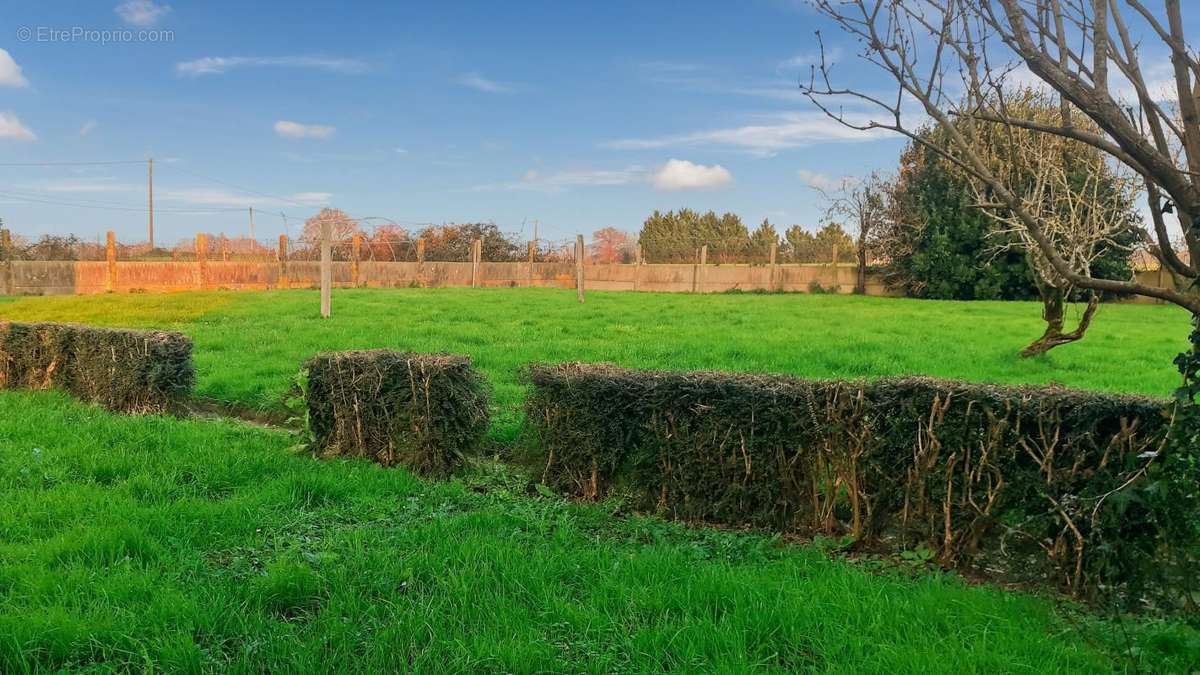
140 544
153 543
249 346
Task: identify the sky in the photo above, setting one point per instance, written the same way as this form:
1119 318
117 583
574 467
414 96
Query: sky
577 115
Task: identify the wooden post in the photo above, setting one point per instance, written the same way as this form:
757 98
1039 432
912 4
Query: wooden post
355 252
150 199
532 254
326 268
771 276
579 267
703 265
283 256
110 254
202 259
421 262
476 252
637 268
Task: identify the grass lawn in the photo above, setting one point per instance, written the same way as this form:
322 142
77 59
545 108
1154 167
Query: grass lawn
138 544
249 346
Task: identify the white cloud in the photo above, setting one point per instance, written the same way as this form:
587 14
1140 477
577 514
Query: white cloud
786 130
312 198
10 72
480 83
210 197
680 174
88 127
401 151
558 181
296 130
824 182
803 62
141 12
215 65
12 129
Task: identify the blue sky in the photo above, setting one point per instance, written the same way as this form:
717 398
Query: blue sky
580 115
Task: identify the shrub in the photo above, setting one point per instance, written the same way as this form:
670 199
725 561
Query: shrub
1022 479
425 411
124 370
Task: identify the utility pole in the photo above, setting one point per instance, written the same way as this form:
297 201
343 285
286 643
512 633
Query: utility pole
252 223
150 194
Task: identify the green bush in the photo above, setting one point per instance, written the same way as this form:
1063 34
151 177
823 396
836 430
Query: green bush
124 370
1025 480
425 411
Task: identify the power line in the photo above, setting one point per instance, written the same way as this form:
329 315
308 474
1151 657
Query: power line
106 205
134 161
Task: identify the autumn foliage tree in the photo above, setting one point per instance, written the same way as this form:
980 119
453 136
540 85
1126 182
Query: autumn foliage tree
453 242
610 245
343 226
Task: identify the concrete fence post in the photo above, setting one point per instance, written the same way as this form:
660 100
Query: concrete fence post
532 255
421 262
771 265
637 268
282 254
355 253
202 260
110 255
703 277
326 268
837 277
6 271
476 252
579 252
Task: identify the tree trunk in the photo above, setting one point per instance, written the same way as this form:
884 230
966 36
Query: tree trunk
1054 301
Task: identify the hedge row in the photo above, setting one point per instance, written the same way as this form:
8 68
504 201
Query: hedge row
425 411
123 370
994 476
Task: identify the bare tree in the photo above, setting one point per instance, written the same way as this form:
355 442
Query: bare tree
1081 198
951 59
865 205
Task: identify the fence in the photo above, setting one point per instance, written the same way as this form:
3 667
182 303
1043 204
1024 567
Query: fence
215 263
209 265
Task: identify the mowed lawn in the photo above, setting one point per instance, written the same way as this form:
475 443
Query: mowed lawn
249 346
154 544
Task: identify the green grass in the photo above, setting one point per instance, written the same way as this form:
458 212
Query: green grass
139 544
249 346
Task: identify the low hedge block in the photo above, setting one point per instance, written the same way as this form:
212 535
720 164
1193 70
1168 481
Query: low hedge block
425 411
984 475
124 370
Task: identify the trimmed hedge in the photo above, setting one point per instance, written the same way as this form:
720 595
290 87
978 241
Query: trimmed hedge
1009 478
124 370
425 411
